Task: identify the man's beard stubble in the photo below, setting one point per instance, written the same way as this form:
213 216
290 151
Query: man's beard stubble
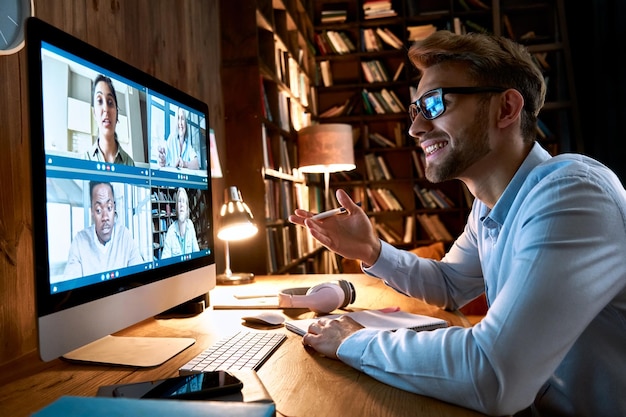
470 144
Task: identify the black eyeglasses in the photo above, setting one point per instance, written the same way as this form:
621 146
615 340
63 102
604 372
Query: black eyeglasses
432 105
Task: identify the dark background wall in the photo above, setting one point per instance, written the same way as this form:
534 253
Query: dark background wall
597 32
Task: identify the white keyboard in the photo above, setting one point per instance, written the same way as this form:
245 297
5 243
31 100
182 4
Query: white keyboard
244 350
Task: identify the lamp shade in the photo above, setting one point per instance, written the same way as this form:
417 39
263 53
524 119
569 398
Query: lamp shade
326 148
236 220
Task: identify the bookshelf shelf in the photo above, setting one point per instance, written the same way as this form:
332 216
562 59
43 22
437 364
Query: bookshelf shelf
513 18
268 72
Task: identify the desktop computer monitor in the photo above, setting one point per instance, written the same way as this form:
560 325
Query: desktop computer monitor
122 209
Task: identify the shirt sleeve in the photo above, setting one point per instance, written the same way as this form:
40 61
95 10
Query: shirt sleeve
450 283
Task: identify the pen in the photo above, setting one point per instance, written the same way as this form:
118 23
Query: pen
333 212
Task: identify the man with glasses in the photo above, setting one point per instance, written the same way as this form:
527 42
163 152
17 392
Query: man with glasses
544 241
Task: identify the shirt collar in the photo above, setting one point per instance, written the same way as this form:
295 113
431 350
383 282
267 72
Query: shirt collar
97 153
536 156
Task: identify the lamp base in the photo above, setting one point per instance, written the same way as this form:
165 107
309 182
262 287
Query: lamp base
235 278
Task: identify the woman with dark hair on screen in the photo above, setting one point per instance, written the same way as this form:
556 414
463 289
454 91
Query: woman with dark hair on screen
105 110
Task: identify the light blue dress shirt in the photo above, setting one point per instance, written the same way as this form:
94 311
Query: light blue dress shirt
551 256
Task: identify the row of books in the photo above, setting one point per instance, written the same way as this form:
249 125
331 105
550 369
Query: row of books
463 26
376 9
375 71
333 16
160 225
382 199
286 243
431 224
374 39
383 101
432 198
283 197
331 42
160 196
343 109
376 168
291 111
292 106
278 153
279 200
440 200
419 32
391 235
384 141
375 199
289 73
434 227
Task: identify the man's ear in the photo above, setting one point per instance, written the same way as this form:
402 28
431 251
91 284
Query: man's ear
511 105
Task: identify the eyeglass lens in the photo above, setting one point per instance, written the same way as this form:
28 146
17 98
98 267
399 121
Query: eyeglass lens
430 104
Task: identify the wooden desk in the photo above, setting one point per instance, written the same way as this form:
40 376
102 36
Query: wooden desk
301 382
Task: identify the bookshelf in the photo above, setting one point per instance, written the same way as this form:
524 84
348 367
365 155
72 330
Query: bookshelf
268 70
163 200
368 82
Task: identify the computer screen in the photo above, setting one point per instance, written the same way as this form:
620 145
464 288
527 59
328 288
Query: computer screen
122 208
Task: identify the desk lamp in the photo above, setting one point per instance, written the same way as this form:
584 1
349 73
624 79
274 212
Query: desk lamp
236 223
326 148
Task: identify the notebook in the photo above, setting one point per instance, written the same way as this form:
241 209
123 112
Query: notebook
376 319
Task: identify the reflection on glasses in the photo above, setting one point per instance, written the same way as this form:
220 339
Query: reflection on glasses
432 105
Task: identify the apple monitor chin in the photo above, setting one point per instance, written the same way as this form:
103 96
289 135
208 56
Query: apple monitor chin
122 210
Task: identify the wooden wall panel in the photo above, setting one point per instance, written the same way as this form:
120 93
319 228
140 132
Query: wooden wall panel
176 41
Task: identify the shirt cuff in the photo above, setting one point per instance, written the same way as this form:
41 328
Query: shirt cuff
384 263
351 350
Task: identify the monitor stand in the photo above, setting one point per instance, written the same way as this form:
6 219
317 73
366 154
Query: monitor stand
131 351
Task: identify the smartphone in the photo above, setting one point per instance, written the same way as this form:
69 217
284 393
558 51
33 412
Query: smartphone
189 387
